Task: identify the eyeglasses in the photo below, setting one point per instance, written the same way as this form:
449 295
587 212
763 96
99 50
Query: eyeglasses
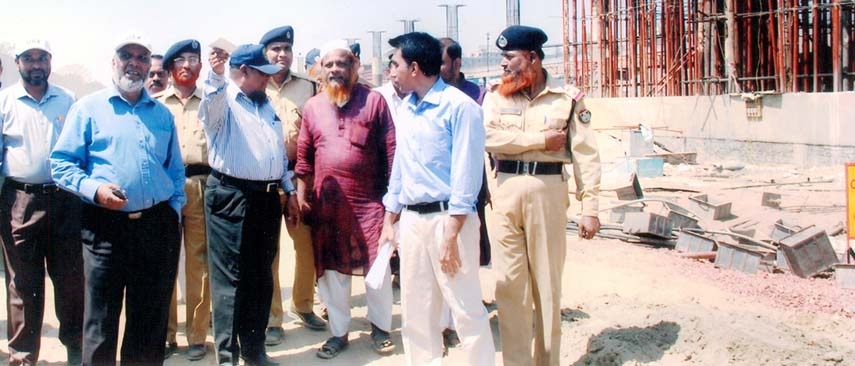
192 60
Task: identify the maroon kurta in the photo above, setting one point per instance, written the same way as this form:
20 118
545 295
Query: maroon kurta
349 151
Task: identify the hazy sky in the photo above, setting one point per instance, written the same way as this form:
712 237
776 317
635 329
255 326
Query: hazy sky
85 31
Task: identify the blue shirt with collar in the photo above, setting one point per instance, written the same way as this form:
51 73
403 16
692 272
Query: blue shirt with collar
29 129
440 151
107 139
245 140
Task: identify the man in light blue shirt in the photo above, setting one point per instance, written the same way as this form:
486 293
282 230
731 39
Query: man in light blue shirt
39 223
436 175
247 155
119 152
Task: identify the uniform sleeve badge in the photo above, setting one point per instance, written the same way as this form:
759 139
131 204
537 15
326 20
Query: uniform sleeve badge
585 116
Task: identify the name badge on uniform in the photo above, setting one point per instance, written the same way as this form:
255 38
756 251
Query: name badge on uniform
514 111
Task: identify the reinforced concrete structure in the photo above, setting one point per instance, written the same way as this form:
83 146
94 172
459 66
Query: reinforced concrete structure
641 48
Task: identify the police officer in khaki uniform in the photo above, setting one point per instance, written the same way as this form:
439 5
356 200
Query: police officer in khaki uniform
183 61
288 92
535 125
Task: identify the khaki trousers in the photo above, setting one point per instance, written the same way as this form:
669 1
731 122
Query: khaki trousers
198 292
527 231
303 289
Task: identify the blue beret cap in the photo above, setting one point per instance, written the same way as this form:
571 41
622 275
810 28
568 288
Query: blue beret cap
187 45
355 49
521 37
281 34
312 56
252 55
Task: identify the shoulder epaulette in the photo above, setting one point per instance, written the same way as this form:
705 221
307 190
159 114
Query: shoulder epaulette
304 77
493 84
574 92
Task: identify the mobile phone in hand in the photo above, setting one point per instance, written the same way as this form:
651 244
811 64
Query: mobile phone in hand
120 194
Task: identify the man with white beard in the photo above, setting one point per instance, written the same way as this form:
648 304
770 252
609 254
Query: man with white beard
119 152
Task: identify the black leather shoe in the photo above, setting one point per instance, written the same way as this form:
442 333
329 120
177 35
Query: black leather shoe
260 360
310 320
75 356
171 348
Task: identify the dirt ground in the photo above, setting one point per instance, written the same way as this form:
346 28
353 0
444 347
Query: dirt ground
631 304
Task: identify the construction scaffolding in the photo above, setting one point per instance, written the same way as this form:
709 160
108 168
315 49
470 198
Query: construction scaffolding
637 48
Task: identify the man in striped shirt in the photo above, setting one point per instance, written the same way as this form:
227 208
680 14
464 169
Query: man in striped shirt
247 157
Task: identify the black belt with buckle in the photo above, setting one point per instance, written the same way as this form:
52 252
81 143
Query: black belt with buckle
428 208
136 215
33 188
529 167
245 184
196 169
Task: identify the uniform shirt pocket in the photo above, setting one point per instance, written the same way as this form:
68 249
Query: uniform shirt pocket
511 120
556 121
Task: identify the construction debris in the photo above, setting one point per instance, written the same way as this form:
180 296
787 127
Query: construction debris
742 257
632 191
710 256
710 209
772 200
647 224
808 252
690 158
681 220
689 242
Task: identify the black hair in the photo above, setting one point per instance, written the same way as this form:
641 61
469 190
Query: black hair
157 56
451 47
421 48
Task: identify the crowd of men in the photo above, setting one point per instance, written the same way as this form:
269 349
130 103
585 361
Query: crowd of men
104 193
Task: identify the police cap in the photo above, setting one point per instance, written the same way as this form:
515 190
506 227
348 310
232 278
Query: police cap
521 37
312 56
187 45
281 34
355 49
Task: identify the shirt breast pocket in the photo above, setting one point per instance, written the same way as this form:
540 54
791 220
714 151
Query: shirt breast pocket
511 121
199 137
359 135
556 121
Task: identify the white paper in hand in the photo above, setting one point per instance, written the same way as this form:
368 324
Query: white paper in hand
223 44
377 272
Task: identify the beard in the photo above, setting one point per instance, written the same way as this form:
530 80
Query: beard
258 97
125 84
338 93
339 90
35 77
185 78
516 82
